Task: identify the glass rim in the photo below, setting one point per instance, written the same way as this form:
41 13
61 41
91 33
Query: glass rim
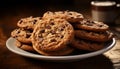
93 2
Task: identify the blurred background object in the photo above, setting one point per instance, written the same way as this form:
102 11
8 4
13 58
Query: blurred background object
105 11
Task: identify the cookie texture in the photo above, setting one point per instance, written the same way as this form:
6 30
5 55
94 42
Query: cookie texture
28 22
52 35
91 25
70 16
23 35
94 36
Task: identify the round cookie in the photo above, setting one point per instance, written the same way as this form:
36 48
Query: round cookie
73 16
23 46
64 51
87 45
70 16
52 35
23 35
28 23
94 36
91 26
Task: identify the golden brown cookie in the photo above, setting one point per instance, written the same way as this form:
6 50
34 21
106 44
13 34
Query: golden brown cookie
23 46
70 16
28 22
87 45
23 35
52 35
91 25
94 36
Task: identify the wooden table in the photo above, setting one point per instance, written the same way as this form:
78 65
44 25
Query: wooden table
10 60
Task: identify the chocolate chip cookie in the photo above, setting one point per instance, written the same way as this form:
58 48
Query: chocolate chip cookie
91 25
23 35
24 46
28 22
73 16
52 35
70 16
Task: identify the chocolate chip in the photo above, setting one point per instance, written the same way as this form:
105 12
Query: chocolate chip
30 30
70 13
63 26
66 25
52 23
100 25
40 36
62 36
42 31
18 32
71 17
53 40
48 27
51 19
88 21
34 22
15 36
20 21
27 36
61 29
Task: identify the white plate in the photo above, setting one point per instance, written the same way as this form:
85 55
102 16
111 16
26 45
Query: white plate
10 45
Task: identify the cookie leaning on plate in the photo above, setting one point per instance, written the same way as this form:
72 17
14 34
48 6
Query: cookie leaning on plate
23 46
52 35
87 45
23 35
70 16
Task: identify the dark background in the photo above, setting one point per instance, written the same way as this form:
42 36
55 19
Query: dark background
26 8
44 5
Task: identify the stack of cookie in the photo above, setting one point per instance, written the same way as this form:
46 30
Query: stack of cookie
91 35
60 33
23 33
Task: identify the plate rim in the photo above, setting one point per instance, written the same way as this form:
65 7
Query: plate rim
58 58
